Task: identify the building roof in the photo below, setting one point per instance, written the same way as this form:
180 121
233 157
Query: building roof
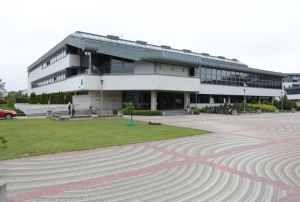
141 50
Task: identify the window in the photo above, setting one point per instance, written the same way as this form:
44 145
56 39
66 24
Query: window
82 93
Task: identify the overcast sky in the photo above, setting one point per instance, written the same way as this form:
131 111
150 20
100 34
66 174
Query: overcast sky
262 34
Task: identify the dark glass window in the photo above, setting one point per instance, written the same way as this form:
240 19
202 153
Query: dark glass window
208 71
203 70
219 72
214 72
208 78
203 80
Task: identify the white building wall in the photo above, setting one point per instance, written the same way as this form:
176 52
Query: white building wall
141 67
74 60
238 90
172 70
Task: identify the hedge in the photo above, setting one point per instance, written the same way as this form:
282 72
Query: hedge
265 107
196 111
141 112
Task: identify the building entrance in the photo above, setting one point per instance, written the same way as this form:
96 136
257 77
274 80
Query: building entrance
170 100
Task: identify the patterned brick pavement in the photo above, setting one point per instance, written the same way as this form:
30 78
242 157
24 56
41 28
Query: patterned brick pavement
248 158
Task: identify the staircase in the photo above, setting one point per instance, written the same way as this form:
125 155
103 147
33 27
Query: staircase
175 112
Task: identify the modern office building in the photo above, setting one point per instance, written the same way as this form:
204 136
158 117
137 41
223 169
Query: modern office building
150 76
291 85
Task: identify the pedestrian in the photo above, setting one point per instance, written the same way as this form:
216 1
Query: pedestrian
188 107
69 108
73 109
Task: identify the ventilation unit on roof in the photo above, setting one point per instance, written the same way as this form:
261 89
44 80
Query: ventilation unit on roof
112 37
186 51
234 60
221 57
165 47
141 42
205 54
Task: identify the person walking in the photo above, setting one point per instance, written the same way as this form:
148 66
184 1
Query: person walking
73 109
188 107
69 108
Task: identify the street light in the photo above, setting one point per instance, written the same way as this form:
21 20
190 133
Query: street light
101 96
282 93
244 99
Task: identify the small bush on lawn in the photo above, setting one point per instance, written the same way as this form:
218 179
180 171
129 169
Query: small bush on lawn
196 111
141 112
3 140
265 107
265 102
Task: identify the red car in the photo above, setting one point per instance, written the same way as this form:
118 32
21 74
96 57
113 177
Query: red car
8 114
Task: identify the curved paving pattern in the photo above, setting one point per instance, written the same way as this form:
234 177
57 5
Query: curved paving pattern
249 158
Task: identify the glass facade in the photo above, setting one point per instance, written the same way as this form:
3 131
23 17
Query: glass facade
234 78
109 64
52 78
141 100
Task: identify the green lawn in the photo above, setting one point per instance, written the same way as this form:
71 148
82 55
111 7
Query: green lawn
31 137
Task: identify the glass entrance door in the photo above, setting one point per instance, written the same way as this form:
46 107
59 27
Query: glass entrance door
167 100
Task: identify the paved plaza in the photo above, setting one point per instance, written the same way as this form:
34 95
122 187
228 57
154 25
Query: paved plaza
248 158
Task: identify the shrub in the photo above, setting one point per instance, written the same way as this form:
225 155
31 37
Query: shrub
196 111
298 108
10 103
140 112
3 140
265 102
6 107
249 109
52 99
253 102
60 98
21 100
44 99
265 107
237 106
3 102
33 98
294 104
203 109
69 98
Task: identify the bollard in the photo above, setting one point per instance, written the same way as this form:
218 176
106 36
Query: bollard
234 112
276 110
163 113
258 111
293 110
3 192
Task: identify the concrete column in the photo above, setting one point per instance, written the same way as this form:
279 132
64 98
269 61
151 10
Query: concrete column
186 98
153 100
258 100
3 192
272 100
228 99
209 99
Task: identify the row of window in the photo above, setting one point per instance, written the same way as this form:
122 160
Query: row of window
293 92
48 80
233 78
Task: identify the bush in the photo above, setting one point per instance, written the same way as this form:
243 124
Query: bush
60 98
33 98
44 99
265 102
10 103
52 99
3 102
237 106
265 107
196 111
140 112
203 109
21 100
294 104
298 108
253 102
69 98
249 109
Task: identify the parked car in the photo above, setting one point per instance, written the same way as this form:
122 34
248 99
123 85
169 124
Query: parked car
8 114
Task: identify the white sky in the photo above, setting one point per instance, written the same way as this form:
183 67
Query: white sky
262 34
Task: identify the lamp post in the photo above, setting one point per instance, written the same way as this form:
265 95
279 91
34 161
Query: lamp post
244 99
101 96
281 101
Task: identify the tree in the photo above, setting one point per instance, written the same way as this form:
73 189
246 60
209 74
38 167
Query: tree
294 104
3 140
129 108
52 99
44 98
2 87
33 98
10 103
69 98
60 98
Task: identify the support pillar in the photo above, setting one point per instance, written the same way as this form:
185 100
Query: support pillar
209 99
3 192
153 100
186 98
228 99
272 100
258 100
